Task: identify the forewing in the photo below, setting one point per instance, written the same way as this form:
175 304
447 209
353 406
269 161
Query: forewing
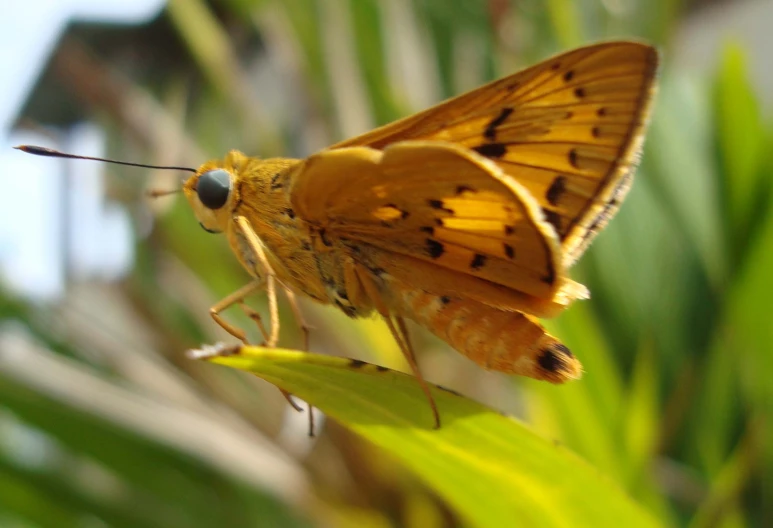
568 130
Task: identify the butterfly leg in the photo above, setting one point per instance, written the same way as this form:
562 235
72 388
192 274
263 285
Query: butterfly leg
273 309
304 328
256 318
268 274
234 298
238 297
410 356
302 325
399 331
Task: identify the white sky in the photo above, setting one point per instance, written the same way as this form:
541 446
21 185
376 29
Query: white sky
32 189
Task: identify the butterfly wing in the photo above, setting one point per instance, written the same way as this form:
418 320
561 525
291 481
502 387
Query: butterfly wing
568 130
438 204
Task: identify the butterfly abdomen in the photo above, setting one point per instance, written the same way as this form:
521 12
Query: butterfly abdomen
509 342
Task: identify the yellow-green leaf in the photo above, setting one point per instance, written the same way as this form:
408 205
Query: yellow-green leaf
491 468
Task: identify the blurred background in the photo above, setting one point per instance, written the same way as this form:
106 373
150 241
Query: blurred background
103 420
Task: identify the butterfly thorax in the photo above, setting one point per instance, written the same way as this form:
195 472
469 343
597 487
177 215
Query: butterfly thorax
259 192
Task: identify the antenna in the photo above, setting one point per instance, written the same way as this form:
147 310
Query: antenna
43 151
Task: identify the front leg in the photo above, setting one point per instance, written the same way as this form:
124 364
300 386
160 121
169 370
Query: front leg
234 298
273 310
267 273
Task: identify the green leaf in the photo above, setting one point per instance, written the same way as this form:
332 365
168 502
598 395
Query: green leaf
740 143
566 18
489 467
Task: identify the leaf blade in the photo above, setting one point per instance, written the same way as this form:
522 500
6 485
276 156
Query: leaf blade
489 467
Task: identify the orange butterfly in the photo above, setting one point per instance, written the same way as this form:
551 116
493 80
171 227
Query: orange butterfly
463 218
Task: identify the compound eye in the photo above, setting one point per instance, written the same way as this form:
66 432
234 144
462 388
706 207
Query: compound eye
213 188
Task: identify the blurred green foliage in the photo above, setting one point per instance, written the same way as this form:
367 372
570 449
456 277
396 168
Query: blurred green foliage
105 423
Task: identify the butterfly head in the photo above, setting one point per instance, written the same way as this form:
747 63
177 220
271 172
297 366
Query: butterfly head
213 191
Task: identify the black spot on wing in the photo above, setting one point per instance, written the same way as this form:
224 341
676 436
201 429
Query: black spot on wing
573 158
509 251
434 248
556 190
478 261
403 214
553 218
438 204
460 189
490 132
550 276
491 150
